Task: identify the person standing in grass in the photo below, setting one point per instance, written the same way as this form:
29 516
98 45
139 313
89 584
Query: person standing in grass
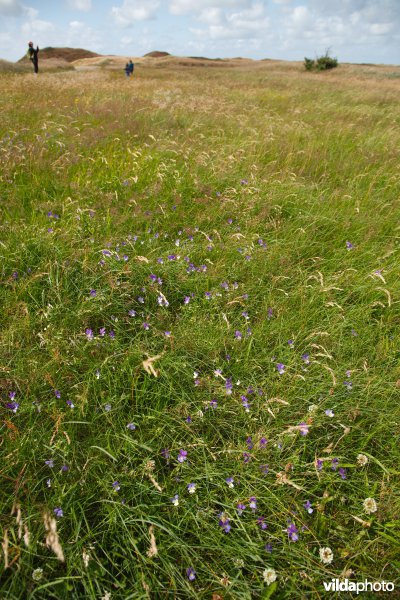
32 54
127 70
131 66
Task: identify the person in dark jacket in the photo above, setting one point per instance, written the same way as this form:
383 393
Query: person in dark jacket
131 67
32 54
127 70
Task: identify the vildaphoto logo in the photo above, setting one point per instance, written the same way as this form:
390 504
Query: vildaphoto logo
337 585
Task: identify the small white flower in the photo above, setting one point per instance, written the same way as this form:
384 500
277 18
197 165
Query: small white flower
200 414
85 558
326 555
37 574
370 505
269 575
329 413
362 460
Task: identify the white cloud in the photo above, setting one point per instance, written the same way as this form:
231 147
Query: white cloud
132 11
180 7
11 8
84 5
249 23
37 27
14 8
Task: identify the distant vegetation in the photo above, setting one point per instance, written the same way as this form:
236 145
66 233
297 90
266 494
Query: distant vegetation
67 54
320 63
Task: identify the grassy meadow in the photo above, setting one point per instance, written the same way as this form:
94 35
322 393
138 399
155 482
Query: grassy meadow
199 331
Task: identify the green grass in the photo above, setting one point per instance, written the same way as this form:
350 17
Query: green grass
215 159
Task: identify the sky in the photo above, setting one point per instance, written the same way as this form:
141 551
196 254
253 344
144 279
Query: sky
358 31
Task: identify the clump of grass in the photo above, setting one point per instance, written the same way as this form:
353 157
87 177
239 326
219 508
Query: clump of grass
198 334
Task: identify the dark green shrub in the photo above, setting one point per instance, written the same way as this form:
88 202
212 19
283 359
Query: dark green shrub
309 64
321 63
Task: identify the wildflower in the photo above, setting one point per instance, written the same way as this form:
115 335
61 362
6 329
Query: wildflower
362 460
269 575
335 463
270 313
307 505
249 442
93 293
291 343
230 482
37 574
165 453
264 469
57 394
224 523
349 246
246 457
268 548
146 326
213 403
48 483
191 574
238 335
329 413
280 368
64 468
102 331
306 358
70 404
342 473
89 334
13 406
131 426
326 555
175 500
370 505
319 464
49 463
261 523
132 313
107 407
243 182
245 403
58 512
348 384
292 532
240 508
182 456
228 386
167 333
116 486
191 487
263 442
303 428
253 503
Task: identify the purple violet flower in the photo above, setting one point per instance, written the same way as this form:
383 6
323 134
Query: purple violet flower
240 508
58 512
292 532
182 456
280 368
191 574
308 506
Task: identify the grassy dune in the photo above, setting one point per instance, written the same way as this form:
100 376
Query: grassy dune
199 285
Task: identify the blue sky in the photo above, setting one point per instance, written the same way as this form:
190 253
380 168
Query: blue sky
354 30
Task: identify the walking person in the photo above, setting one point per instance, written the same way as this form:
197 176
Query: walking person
32 54
127 70
131 66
